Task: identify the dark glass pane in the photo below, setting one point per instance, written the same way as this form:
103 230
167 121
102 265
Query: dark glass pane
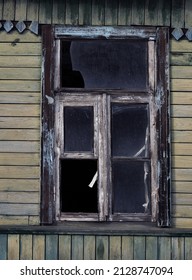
104 64
78 129
130 131
76 195
130 187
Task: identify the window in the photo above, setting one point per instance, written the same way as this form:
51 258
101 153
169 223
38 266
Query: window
105 125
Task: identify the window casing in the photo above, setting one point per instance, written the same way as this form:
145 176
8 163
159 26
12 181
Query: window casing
108 115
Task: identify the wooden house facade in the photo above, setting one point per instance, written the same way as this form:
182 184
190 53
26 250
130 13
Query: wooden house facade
26 38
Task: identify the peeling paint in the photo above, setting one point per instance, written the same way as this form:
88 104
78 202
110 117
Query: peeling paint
49 99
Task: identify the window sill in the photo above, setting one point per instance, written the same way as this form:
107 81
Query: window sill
98 228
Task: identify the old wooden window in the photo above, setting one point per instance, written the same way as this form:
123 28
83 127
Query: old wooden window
105 125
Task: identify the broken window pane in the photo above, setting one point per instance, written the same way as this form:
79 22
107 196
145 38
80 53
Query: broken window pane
76 194
78 129
131 186
117 64
130 132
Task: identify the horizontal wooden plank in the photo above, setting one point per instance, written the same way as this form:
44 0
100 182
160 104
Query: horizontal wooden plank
180 46
181 123
182 199
19 110
182 211
20 61
181 84
19 197
20 122
181 97
20 73
181 111
18 185
20 172
181 72
181 223
16 209
20 97
14 36
20 134
181 161
182 175
181 136
19 147
182 149
19 85
34 220
20 49
181 59
182 187
19 159
13 220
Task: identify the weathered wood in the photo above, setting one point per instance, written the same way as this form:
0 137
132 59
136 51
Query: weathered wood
89 247
59 12
19 146
188 9
181 211
15 48
20 10
182 223
64 247
13 209
17 122
19 85
177 13
151 12
20 134
164 13
19 197
15 110
20 97
13 246
181 136
9 10
38 247
20 172
34 220
26 247
127 247
178 248
181 162
102 248
181 59
182 175
77 247
85 12
181 123
45 11
111 12
138 11
15 37
183 187
3 246
181 98
139 247
188 248
124 12
115 247
18 185
33 10
98 14
181 84
164 248
19 159
51 247
20 73
182 198
72 12
182 46
151 248
180 111
181 72
181 149
21 61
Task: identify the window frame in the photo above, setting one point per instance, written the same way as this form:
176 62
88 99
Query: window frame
158 39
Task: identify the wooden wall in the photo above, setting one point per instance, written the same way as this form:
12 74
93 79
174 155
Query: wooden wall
20 86
173 13
90 247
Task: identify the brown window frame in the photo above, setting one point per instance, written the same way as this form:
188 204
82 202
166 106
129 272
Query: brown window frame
53 95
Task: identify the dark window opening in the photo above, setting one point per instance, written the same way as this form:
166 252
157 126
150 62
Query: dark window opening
76 194
104 64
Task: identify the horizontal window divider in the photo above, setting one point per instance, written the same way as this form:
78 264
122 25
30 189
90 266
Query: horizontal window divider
131 158
78 156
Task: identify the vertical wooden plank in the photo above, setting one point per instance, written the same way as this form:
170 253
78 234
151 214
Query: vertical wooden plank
188 248
21 10
111 12
164 11
188 12
102 248
151 248
164 248
64 247
115 248
33 10
72 12
98 12
77 247
127 247
1 9
51 249
138 12
45 11
25 247
139 248
177 248
177 15
151 12
59 12
38 247
13 246
3 246
89 247
85 12
9 10
124 12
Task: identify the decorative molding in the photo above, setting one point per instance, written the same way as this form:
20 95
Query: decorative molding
177 33
20 26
